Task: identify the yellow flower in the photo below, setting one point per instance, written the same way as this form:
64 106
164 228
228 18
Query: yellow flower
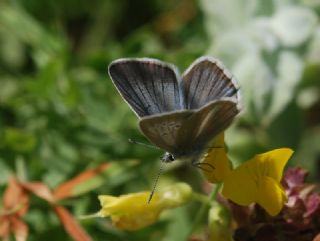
133 212
216 165
258 181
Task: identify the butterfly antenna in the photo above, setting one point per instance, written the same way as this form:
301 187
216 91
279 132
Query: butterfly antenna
156 182
143 144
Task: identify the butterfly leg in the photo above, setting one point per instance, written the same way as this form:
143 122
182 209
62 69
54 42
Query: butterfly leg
204 166
207 167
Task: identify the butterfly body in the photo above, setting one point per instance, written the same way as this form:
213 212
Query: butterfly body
181 115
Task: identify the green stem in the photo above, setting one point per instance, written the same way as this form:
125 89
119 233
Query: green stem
204 207
201 198
90 216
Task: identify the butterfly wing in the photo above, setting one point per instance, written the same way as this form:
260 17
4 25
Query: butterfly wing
200 128
163 130
206 80
213 119
149 86
188 133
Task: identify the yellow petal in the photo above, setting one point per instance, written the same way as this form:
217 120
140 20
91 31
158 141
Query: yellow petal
136 202
135 221
133 211
272 163
107 201
217 165
271 195
258 180
240 186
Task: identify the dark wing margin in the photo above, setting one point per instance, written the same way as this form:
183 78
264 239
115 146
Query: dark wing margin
163 130
149 86
206 80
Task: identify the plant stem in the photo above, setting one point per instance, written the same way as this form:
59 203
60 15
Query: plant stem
204 207
90 216
201 198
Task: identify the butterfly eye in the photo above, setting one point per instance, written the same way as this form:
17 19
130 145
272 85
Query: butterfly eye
171 157
167 157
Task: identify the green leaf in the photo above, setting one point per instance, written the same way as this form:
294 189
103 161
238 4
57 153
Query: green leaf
18 140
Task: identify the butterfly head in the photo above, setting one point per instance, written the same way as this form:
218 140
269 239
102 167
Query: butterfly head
167 157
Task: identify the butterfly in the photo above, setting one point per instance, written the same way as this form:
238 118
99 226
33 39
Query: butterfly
181 114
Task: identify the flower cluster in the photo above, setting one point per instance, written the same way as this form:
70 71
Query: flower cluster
132 211
255 181
299 220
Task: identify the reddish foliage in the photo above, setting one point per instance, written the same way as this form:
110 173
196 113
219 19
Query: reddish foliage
19 228
39 189
317 238
71 225
15 197
65 190
16 203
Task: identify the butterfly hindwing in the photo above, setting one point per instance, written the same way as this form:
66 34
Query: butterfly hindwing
213 119
188 133
163 130
200 128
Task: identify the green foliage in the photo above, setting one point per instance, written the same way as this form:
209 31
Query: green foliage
60 114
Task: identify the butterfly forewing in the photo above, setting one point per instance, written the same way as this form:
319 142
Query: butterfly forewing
149 86
207 80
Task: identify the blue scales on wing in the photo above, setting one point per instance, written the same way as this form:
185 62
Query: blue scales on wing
149 86
206 80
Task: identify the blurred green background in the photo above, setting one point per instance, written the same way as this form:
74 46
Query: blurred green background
60 114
